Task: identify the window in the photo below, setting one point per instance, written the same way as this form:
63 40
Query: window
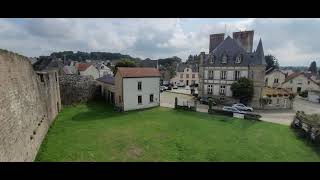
278 100
181 76
308 82
290 81
222 90
276 80
210 74
209 89
187 70
139 86
151 98
224 58
223 74
212 59
238 59
139 99
237 75
56 76
193 76
41 78
119 99
187 75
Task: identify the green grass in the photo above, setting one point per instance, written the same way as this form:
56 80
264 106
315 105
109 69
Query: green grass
93 132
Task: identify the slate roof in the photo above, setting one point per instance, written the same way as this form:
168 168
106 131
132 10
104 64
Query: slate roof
232 49
270 70
138 72
182 66
106 79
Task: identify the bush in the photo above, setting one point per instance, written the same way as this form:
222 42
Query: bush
304 94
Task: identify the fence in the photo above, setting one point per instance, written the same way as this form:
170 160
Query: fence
185 104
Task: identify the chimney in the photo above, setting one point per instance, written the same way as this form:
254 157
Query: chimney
202 55
215 40
244 39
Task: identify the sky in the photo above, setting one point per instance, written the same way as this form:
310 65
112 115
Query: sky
294 42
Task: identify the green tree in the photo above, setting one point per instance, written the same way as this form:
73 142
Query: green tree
124 63
313 67
271 61
242 90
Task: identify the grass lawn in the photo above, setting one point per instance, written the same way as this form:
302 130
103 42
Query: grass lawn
93 132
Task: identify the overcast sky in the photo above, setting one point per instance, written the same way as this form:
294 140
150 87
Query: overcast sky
292 41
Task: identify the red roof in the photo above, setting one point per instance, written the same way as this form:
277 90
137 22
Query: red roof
138 72
82 66
293 75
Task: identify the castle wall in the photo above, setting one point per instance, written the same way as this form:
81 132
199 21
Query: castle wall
29 103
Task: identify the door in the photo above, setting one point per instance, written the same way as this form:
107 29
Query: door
298 89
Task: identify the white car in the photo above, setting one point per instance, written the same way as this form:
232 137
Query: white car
175 87
232 109
242 107
187 87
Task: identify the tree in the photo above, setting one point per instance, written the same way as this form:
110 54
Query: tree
124 63
271 61
242 90
313 67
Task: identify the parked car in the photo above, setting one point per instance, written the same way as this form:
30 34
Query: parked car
242 107
175 87
162 88
187 87
232 109
169 88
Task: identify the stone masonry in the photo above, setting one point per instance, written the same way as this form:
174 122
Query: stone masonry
29 103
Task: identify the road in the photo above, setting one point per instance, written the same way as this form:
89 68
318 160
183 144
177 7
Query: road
281 116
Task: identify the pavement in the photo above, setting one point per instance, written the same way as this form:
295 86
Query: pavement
279 116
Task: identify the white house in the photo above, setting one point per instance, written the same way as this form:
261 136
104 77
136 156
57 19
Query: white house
103 70
298 82
186 74
274 78
132 88
86 69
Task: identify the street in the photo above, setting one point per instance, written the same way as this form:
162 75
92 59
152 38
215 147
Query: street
280 116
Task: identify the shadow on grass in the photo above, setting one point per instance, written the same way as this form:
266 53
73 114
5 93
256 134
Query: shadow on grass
300 135
96 110
99 109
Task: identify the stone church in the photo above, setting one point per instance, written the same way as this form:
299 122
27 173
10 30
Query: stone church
227 61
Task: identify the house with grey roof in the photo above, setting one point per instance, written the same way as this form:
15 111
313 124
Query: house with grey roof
186 75
228 60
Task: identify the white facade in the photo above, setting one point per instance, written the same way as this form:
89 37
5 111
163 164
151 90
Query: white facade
221 79
149 86
104 70
90 71
187 77
300 83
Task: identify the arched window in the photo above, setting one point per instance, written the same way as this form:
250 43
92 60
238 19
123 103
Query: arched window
224 58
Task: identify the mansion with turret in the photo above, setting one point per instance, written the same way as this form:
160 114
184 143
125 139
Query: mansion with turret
228 60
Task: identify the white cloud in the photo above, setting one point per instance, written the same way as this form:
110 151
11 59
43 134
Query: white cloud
292 41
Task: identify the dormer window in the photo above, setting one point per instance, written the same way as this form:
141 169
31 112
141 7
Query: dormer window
238 59
224 58
213 58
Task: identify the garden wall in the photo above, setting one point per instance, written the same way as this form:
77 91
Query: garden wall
76 88
29 102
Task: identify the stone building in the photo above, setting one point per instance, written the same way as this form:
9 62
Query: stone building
275 78
298 82
29 103
186 74
228 60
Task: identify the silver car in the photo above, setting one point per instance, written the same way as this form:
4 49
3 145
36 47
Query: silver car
231 109
242 107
